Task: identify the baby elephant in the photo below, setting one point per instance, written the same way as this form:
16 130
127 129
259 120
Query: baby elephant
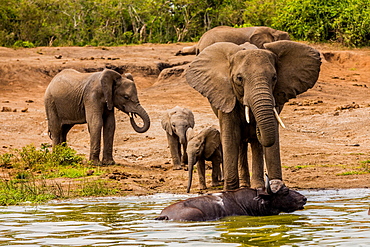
206 145
243 201
176 122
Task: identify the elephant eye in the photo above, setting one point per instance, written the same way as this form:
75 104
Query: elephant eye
274 78
126 97
239 79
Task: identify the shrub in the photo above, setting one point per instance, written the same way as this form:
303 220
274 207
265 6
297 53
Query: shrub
346 21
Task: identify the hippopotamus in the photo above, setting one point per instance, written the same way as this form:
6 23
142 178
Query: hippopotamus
242 201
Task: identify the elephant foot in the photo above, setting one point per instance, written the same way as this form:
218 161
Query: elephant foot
216 184
177 167
95 162
108 162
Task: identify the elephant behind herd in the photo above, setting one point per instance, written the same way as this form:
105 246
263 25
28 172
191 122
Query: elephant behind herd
247 75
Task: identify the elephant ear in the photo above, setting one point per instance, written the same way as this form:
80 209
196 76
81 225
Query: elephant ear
209 75
190 134
212 141
129 76
262 35
279 35
166 123
107 80
298 68
191 117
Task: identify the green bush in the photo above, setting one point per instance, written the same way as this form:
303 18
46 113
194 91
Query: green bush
344 21
32 167
24 44
25 23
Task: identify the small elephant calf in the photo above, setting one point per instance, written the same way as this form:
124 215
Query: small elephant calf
175 122
206 145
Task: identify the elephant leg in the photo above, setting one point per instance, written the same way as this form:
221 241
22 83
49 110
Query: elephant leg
257 164
54 124
56 135
243 165
216 170
65 129
184 157
230 140
202 174
109 126
95 125
273 162
174 144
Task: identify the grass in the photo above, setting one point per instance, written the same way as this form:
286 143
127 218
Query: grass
364 168
33 172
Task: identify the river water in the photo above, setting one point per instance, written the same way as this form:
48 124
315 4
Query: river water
330 218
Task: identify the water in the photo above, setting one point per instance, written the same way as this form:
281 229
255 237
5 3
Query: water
331 218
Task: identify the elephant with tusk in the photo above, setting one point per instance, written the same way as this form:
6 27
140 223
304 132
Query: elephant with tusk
77 98
247 88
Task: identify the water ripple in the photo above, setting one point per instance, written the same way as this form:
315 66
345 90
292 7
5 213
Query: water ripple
331 218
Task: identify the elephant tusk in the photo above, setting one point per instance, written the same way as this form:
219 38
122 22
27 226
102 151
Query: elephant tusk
278 118
247 114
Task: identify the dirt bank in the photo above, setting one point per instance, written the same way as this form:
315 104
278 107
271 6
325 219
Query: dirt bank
327 134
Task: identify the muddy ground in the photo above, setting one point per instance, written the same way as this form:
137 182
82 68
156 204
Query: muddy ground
327 134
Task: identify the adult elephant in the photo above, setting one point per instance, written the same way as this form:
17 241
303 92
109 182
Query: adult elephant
77 98
254 35
247 87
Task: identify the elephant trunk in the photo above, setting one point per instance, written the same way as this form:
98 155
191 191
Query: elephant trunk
139 111
181 133
263 111
190 168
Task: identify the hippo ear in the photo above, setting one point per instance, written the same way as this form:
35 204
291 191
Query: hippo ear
209 75
298 67
212 141
107 79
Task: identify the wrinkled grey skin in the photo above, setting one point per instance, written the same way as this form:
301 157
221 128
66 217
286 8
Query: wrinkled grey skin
206 145
239 78
176 122
254 35
244 201
77 98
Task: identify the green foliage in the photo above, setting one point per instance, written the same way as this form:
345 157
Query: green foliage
13 192
260 12
24 44
32 167
28 23
345 21
96 188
